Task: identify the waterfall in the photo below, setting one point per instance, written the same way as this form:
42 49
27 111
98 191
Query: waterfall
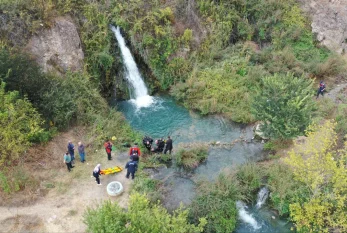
138 90
262 196
245 216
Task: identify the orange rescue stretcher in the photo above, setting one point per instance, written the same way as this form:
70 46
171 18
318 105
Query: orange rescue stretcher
111 170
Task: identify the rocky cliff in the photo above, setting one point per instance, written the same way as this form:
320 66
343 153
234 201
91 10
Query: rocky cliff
58 49
329 22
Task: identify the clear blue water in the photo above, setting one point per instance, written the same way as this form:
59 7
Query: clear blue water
165 117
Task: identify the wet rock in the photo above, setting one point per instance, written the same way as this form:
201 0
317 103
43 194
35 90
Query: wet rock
258 134
58 49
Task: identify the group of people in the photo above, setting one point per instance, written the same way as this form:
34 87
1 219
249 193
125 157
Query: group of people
69 156
161 145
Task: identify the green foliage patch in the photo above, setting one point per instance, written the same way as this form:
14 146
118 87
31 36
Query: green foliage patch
141 216
192 157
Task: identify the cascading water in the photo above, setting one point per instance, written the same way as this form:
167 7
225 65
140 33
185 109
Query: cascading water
262 196
245 216
138 93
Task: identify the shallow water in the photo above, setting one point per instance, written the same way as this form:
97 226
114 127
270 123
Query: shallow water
165 117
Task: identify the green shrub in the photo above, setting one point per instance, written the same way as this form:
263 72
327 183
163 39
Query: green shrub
284 189
190 158
19 123
284 105
145 185
216 202
249 177
141 216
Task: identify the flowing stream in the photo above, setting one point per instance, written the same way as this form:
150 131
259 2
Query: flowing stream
160 116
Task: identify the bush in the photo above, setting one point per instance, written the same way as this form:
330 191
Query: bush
284 105
147 186
284 189
216 202
192 157
249 177
20 124
140 217
322 171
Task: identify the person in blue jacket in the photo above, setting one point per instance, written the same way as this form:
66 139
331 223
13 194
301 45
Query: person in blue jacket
131 167
71 149
321 89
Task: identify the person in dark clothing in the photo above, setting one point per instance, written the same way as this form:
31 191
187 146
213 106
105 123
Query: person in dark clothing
131 167
67 161
321 89
147 142
108 148
96 174
160 144
168 145
71 149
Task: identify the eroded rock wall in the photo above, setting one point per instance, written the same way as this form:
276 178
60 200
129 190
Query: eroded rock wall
329 22
58 49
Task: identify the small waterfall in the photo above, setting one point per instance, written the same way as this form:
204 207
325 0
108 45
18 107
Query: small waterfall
262 196
138 89
245 216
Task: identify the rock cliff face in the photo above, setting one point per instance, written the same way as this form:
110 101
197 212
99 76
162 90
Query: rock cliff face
58 49
329 22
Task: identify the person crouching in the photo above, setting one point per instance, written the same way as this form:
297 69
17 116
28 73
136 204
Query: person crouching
131 167
96 174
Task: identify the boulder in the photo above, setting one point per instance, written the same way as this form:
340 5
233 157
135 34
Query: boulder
58 49
329 22
258 134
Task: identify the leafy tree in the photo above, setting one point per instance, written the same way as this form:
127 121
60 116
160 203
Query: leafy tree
140 217
284 105
323 171
19 123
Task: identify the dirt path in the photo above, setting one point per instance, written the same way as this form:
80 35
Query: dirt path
333 94
61 210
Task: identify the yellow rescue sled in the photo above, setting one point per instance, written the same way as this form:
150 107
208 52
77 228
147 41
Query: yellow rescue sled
111 170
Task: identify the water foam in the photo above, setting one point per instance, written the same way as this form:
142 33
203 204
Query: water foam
262 196
245 216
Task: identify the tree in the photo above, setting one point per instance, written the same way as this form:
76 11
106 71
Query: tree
323 171
19 123
141 216
284 105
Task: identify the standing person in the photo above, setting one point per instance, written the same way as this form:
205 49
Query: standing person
135 152
67 161
71 149
321 89
81 151
96 174
131 167
168 145
108 148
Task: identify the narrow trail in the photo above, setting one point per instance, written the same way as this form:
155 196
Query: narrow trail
333 94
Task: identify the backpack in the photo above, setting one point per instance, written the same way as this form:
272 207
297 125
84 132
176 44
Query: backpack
134 151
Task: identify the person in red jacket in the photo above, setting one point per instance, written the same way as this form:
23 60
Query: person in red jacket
135 152
108 148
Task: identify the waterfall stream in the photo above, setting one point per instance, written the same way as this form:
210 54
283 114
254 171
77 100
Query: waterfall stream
262 196
138 90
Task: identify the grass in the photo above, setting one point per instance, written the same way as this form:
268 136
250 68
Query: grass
190 158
